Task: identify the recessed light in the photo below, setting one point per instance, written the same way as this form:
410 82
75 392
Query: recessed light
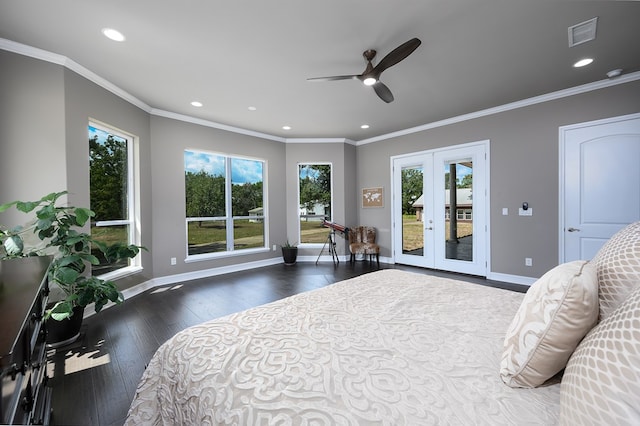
614 73
112 34
252 108
364 126
583 62
196 104
286 127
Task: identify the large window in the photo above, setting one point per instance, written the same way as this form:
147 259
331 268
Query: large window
225 209
111 193
314 193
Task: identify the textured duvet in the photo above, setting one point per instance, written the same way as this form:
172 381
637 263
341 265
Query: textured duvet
389 348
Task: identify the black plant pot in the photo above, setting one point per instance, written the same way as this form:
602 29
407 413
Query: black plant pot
289 254
61 333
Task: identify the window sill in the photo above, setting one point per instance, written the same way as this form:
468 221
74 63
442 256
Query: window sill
226 254
121 273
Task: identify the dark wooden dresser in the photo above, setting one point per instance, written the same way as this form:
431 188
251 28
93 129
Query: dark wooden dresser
26 398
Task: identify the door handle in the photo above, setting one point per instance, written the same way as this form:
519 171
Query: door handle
429 228
573 230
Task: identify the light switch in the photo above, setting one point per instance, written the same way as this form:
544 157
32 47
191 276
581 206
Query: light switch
505 211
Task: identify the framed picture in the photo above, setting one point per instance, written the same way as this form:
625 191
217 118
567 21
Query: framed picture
372 197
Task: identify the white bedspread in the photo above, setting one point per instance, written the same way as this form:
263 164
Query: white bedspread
389 347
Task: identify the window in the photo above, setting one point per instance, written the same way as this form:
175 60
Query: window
225 209
314 194
111 195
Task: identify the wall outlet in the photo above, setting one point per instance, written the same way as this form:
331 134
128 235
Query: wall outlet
173 261
527 212
528 261
274 247
505 211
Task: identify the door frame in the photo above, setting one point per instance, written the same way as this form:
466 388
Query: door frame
484 247
562 135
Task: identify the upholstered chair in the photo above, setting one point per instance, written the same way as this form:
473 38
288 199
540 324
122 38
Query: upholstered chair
362 240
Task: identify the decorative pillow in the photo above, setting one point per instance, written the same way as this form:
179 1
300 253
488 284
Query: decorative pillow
601 384
556 313
618 267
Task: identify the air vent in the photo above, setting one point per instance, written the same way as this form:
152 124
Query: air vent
583 32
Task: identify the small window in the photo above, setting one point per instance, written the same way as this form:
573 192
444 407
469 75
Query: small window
315 201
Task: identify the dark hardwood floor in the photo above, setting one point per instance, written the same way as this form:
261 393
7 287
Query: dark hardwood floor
94 379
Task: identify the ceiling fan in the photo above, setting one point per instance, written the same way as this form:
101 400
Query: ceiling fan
371 74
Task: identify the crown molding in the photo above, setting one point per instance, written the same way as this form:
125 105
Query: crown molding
34 52
320 140
55 58
207 123
626 78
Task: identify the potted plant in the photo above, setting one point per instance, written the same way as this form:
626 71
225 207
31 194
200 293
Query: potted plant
58 227
289 253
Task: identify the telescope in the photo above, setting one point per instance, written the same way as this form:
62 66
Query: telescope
335 227
331 243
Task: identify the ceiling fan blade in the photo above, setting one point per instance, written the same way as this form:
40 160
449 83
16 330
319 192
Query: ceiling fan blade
383 92
397 55
333 78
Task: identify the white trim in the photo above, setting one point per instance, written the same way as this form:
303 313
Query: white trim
513 279
562 135
187 276
213 124
36 53
508 107
320 140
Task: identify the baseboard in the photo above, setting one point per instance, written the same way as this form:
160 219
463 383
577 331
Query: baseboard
513 279
187 276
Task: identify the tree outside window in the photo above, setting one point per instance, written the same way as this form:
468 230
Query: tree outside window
224 203
314 183
110 193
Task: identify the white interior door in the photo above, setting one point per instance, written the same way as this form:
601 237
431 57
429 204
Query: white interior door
600 183
427 230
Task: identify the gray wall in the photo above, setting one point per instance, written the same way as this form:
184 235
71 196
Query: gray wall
44 109
523 167
84 100
170 139
32 130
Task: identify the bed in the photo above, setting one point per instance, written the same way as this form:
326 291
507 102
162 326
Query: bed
390 347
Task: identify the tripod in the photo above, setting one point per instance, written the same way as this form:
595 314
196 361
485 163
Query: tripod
331 242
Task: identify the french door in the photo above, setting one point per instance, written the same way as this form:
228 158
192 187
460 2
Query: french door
433 225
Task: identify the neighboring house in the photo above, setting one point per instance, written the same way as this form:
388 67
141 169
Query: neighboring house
258 213
464 208
315 214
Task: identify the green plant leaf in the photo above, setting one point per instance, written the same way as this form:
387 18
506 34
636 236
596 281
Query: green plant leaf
60 311
27 206
7 206
82 215
65 275
13 245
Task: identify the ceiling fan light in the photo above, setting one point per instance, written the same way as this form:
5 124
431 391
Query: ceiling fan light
369 81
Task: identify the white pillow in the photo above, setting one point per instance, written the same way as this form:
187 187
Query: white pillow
601 384
556 313
618 266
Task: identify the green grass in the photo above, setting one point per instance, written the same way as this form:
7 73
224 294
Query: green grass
412 231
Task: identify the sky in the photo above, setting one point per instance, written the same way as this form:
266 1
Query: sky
242 171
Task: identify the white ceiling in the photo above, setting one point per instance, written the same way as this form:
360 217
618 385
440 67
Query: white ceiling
475 54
